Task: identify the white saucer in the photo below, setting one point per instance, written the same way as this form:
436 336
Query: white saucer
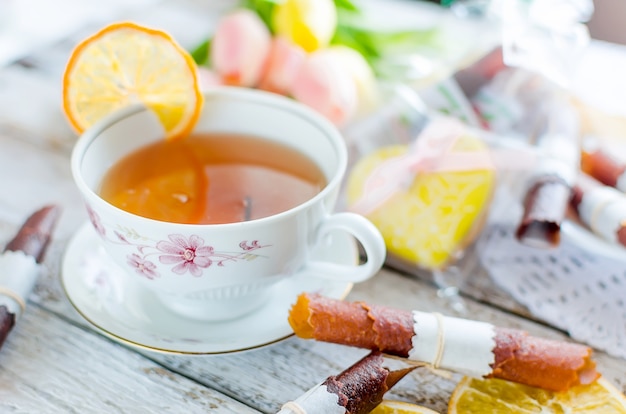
132 315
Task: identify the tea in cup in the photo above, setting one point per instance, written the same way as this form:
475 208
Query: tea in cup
212 222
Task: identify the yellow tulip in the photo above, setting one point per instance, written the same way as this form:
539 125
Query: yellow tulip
308 23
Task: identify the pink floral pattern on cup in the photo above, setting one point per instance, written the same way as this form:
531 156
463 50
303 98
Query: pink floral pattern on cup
142 266
94 218
187 255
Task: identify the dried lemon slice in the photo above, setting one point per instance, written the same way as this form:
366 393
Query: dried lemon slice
499 397
399 407
125 63
437 215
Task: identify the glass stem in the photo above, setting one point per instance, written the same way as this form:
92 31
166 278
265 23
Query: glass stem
447 281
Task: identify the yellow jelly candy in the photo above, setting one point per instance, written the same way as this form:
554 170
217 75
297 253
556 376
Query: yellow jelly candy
437 215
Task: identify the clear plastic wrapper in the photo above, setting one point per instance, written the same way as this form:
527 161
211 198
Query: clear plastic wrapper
545 36
427 180
424 180
426 164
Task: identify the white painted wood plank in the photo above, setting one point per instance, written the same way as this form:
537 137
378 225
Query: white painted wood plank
50 366
33 174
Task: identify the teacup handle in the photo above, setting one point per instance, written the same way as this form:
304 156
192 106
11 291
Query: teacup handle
369 237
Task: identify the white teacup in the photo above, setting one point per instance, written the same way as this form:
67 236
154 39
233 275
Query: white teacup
283 243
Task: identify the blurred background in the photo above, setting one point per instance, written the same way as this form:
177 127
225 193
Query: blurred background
608 21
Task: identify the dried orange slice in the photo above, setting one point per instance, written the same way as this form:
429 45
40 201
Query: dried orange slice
140 185
399 407
498 396
176 197
125 63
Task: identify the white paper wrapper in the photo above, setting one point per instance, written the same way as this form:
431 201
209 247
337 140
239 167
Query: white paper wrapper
316 400
466 346
553 167
621 183
18 274
560 158
603 209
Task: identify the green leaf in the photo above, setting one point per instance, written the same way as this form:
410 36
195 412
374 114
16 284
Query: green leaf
357 39
264 9
377 45
347 5
201 54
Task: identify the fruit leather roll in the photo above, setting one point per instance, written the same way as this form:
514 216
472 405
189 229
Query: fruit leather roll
545 206
601 208
469 347
605 168
20 265
357 390
551 182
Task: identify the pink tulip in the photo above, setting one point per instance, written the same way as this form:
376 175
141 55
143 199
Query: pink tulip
284 61
326 86
240 47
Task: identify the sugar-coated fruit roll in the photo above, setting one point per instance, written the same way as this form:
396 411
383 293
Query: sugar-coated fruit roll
357 390
460 345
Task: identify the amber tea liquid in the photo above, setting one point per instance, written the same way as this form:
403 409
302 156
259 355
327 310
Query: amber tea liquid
212 178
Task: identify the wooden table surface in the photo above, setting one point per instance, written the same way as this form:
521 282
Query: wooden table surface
56 362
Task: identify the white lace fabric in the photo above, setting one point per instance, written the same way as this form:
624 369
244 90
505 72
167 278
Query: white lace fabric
579 287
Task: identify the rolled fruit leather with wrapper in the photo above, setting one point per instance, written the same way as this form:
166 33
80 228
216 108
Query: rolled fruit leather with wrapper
601 208
461 345
356 390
